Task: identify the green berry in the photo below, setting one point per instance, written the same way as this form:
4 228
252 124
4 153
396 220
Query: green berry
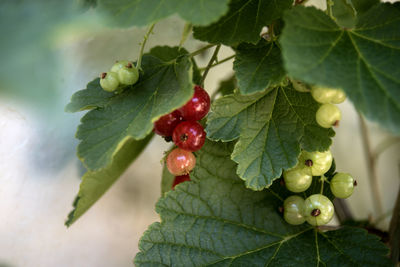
318 210
342 185
109 81
297 179
326 95
323 95
317 162
339 97
128 74
293 208
328 115
119 65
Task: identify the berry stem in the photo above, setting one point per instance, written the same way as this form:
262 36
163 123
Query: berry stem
201 50
145 37
212 59
219 62
187 29
371 166
329 5
322 180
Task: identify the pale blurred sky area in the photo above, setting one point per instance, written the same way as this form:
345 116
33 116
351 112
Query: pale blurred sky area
49 50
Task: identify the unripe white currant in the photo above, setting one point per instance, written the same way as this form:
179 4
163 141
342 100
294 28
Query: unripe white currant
293 208
318 210
119 65
109 81
297 179
317 162
128 74
342 185
328 115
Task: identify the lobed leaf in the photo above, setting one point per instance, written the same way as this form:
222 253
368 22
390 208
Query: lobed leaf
243 22
364 61
272 127
126 13
258 67
215 221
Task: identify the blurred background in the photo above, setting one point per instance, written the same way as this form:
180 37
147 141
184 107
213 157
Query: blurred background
49 50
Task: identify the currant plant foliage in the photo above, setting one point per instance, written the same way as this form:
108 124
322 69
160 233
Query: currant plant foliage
226 211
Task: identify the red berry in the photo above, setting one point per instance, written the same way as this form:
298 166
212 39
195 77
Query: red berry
167 123
180 179
189 135
197 107
180 162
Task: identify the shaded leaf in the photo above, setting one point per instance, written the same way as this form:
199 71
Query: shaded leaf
258 67
243 22
143 12
167 180
364 62
272 127
215 221
95 183
346 11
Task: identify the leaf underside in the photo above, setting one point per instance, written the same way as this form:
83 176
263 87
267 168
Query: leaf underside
95 183
243 22
127 13
364 61
271 128
215 221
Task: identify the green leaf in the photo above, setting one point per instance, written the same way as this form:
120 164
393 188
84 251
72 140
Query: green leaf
227 86
95 183
346 11
243 22
126 13
364 62
163 87
167 53
271 126
167 179
258 67
215 221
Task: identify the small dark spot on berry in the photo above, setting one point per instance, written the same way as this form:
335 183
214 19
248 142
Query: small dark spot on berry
280 209
355 183
336 124
308 163
184 137
168 138
315 212
103 75
129 65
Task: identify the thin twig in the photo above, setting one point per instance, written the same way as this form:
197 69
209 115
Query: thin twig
201 50
213 58
371 166
146 36
185 33
219 62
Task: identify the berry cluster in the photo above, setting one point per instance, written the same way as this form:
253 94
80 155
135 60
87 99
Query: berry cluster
328 114
182 127
317 209
121 73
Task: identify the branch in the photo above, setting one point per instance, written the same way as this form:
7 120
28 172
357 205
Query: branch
371 166
146 36
213 58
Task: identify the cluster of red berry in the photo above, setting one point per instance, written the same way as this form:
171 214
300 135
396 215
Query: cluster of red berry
182 127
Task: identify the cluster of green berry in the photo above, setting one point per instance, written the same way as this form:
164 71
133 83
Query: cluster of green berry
123 73
317 209
182 127
328 114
